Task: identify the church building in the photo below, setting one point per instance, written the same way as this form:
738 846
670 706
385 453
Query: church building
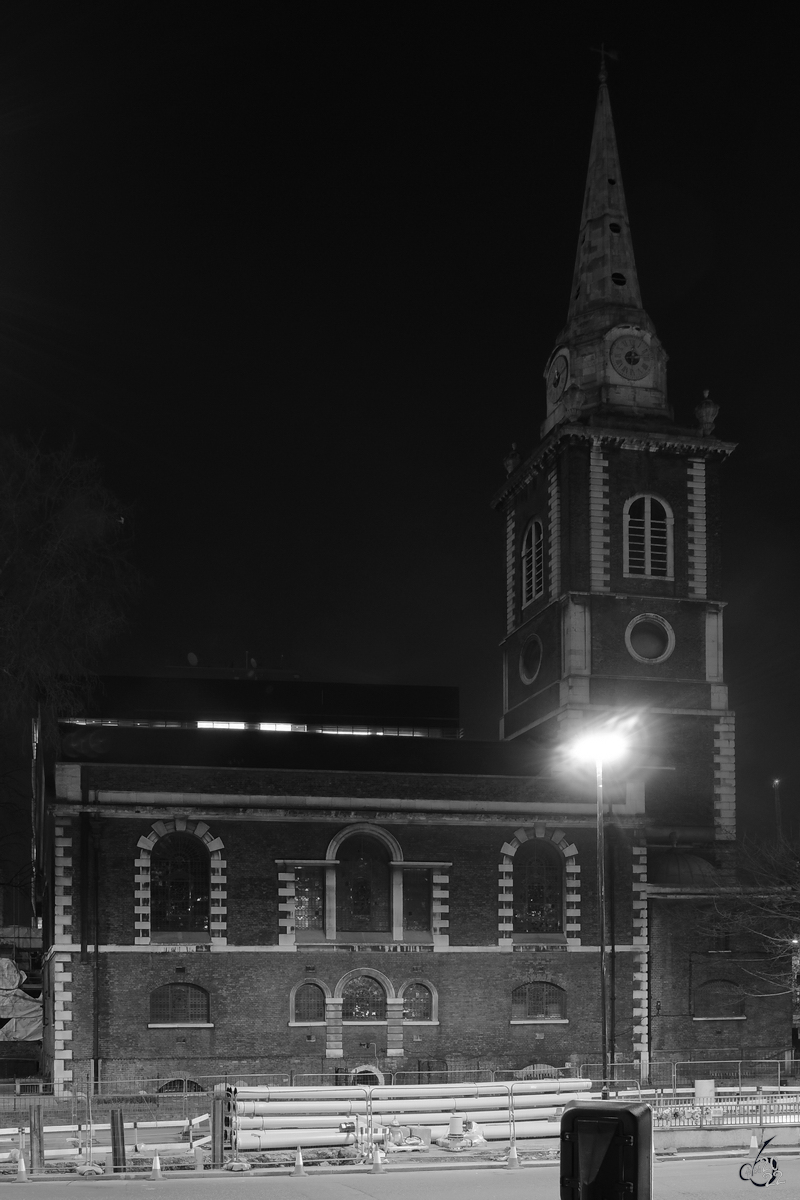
314 881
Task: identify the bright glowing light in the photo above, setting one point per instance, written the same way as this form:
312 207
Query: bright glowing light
600 747
220 724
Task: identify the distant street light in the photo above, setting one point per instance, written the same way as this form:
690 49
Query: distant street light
599 748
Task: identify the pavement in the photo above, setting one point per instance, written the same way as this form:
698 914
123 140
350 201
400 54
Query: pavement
710 1175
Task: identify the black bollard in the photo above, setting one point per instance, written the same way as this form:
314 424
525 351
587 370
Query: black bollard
37 1139
117 1140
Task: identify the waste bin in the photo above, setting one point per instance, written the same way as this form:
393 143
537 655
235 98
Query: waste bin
606 1150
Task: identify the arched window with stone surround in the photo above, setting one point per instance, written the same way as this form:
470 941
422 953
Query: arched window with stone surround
538 889
420 1001
648 537
364 999
363 892
180 885
309 1004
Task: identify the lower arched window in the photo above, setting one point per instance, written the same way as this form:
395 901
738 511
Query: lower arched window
538 889
364 1000
417 1003
718 999
539 1001
309 1003
179 1004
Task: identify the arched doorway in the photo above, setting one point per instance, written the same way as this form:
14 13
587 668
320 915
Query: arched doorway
366 1075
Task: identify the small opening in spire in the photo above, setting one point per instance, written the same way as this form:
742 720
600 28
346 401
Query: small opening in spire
577 291
618 278
614 227
612 181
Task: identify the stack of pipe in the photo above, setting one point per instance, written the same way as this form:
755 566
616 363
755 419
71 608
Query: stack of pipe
282 1118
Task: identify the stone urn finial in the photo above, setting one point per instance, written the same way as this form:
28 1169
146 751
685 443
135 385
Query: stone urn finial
512 460
706 413
572 402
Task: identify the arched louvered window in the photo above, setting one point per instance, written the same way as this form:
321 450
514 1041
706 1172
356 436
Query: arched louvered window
647 531
533 562
363 886
539 1001
309 1003
718 999
538 889
364 1000
417 1003
179 1004
180 885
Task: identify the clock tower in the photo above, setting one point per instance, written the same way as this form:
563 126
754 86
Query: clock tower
612 539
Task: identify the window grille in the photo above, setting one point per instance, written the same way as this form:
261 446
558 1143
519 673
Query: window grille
538 1002
180 878
718 998
533 563
538 889
364 1000
417 1003
309 1003
648 538
362 891
309 898
179 1003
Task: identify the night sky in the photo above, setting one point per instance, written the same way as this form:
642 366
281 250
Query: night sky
292 277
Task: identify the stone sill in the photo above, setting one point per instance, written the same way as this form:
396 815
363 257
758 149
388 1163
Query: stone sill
181 1025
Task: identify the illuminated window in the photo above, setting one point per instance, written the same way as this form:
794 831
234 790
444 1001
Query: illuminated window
538 1001
180 885
647 532
538 889
718 999
179 1004
533 563
309 1003
417 1003
309 898
364 1000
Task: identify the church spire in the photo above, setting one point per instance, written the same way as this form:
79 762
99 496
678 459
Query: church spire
605 270
607 363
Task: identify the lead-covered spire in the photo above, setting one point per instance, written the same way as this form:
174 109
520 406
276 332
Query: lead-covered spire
605 269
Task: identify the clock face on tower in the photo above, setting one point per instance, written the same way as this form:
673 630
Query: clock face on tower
631 357
557 378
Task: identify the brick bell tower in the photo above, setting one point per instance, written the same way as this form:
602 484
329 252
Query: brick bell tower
613 539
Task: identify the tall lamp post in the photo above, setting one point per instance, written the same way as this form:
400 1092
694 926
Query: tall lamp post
599 748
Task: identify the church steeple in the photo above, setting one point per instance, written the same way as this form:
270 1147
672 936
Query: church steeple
608 360
605 270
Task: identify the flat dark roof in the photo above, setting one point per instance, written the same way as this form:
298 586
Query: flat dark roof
295 702
301 751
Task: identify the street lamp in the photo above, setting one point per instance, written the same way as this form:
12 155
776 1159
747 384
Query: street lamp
599 748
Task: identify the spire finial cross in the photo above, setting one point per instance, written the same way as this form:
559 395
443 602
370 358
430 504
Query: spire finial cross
604 54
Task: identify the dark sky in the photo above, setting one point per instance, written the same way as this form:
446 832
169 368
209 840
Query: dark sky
292 277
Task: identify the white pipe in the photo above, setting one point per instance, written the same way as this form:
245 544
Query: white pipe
526 1087
385 1119
264 1108
287 1139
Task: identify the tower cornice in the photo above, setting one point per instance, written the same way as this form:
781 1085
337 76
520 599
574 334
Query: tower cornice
676 442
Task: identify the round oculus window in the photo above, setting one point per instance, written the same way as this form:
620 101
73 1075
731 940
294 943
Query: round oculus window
530 659
649 638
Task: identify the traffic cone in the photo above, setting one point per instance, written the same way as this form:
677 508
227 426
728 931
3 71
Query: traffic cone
156 1172
299 1169
512 1163
22 1170
377 1166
